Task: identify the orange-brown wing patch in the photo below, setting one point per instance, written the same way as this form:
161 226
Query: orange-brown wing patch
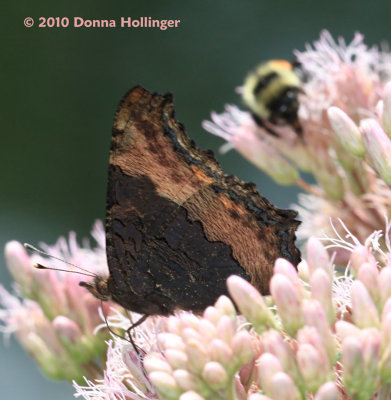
149 141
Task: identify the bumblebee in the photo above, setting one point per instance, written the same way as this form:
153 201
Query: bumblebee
271 92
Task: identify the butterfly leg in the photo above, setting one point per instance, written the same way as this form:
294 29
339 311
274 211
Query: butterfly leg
128 331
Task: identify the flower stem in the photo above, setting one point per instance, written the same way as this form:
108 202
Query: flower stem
309 188
94 371
384 392
231 392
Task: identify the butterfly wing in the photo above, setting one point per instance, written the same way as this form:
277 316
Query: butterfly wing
176 226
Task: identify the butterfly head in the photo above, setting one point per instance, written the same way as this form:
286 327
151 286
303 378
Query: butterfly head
98 287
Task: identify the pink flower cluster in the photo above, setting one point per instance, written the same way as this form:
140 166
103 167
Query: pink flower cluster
309 340
327 346
53 317
200 357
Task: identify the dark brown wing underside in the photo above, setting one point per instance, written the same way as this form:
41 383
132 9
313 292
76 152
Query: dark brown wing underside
176 226
159 259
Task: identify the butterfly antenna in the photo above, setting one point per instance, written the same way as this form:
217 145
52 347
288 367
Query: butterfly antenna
40 266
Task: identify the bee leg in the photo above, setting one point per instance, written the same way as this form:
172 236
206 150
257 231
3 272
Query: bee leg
260 123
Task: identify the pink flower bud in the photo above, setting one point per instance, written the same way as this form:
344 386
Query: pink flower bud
312 366
226 329
263 155
283 387
155 362
212 314
19 265
328 391
189 320
303 271
186 380
321 290
67 329
284 267
274 343
190 333
225 306
50 362
197 355
220 351
51 292
76 296
215 375
174 325
288 301
364 311
317 257
258 396
314 315
165 385
206 329
379 109
358 257
385 284
360 357
386 115
171 341
345 329
386 333
310 335
378 148
190 395
267 365
250 303
133 365
87 309
242 347
353 365
369 276
370 344
44 328
386 308
176 358
346 131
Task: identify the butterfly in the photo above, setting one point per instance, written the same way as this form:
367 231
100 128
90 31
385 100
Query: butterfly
176 226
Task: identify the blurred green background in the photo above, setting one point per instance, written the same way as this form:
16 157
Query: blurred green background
61 87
